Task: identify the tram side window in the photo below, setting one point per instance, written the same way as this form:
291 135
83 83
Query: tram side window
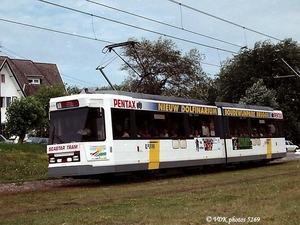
201 126
173 125
144 124
93 128
267 128
280 128
238 127
121 123
258 127
153 124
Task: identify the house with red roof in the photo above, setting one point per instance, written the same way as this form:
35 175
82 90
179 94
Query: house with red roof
22 78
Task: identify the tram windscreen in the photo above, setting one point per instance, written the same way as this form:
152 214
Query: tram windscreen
77 125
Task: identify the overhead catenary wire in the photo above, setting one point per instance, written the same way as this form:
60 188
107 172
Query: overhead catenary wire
81 36
53 30
165 24
8 54
137 27
11 52
66 33
210 64
62 74
78 80
181 17
224 20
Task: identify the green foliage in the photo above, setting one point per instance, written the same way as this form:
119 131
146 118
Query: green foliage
124 86
263 62
160 68
30 115
266 62
23 116
259 94
71 90
43 95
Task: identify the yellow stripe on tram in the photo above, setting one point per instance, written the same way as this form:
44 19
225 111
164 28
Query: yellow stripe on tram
269 148
154 153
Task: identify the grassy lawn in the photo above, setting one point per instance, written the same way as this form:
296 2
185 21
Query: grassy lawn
22 162
262 195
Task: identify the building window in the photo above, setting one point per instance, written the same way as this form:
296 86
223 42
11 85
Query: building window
2 78
34 81
13 98
8 101
2 102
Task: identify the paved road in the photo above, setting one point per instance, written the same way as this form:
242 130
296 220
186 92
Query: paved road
292 155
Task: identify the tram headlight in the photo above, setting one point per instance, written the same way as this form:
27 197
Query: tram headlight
75 158
51 160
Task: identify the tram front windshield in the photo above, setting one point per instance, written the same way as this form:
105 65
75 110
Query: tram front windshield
77 125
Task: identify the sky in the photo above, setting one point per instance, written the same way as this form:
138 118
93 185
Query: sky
73 33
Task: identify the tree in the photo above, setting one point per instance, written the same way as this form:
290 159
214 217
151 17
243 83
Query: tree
43 95
23 116
271 63
72 89
161 69
259 94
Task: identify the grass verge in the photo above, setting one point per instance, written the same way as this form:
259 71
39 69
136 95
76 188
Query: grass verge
22 162
264 195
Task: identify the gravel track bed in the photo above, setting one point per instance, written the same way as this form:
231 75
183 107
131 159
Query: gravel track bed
56 183
43 184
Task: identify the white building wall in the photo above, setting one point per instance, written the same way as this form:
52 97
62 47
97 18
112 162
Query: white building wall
8 89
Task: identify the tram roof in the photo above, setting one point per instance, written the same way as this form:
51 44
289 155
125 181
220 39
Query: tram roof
153 97
183 100
242 106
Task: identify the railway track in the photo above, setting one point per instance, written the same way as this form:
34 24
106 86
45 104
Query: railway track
69 182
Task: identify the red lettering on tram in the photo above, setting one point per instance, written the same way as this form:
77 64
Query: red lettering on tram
56 148
124 104
277 115
72 146
63 147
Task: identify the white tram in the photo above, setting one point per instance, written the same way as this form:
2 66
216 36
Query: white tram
116 132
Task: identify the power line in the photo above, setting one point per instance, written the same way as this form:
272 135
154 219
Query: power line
52 30
65 33
210 64
227 21
8 54
64 75
95 39
165 24
137 27
12 52
78 80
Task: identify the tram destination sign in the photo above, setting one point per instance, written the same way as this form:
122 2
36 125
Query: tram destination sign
165 107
